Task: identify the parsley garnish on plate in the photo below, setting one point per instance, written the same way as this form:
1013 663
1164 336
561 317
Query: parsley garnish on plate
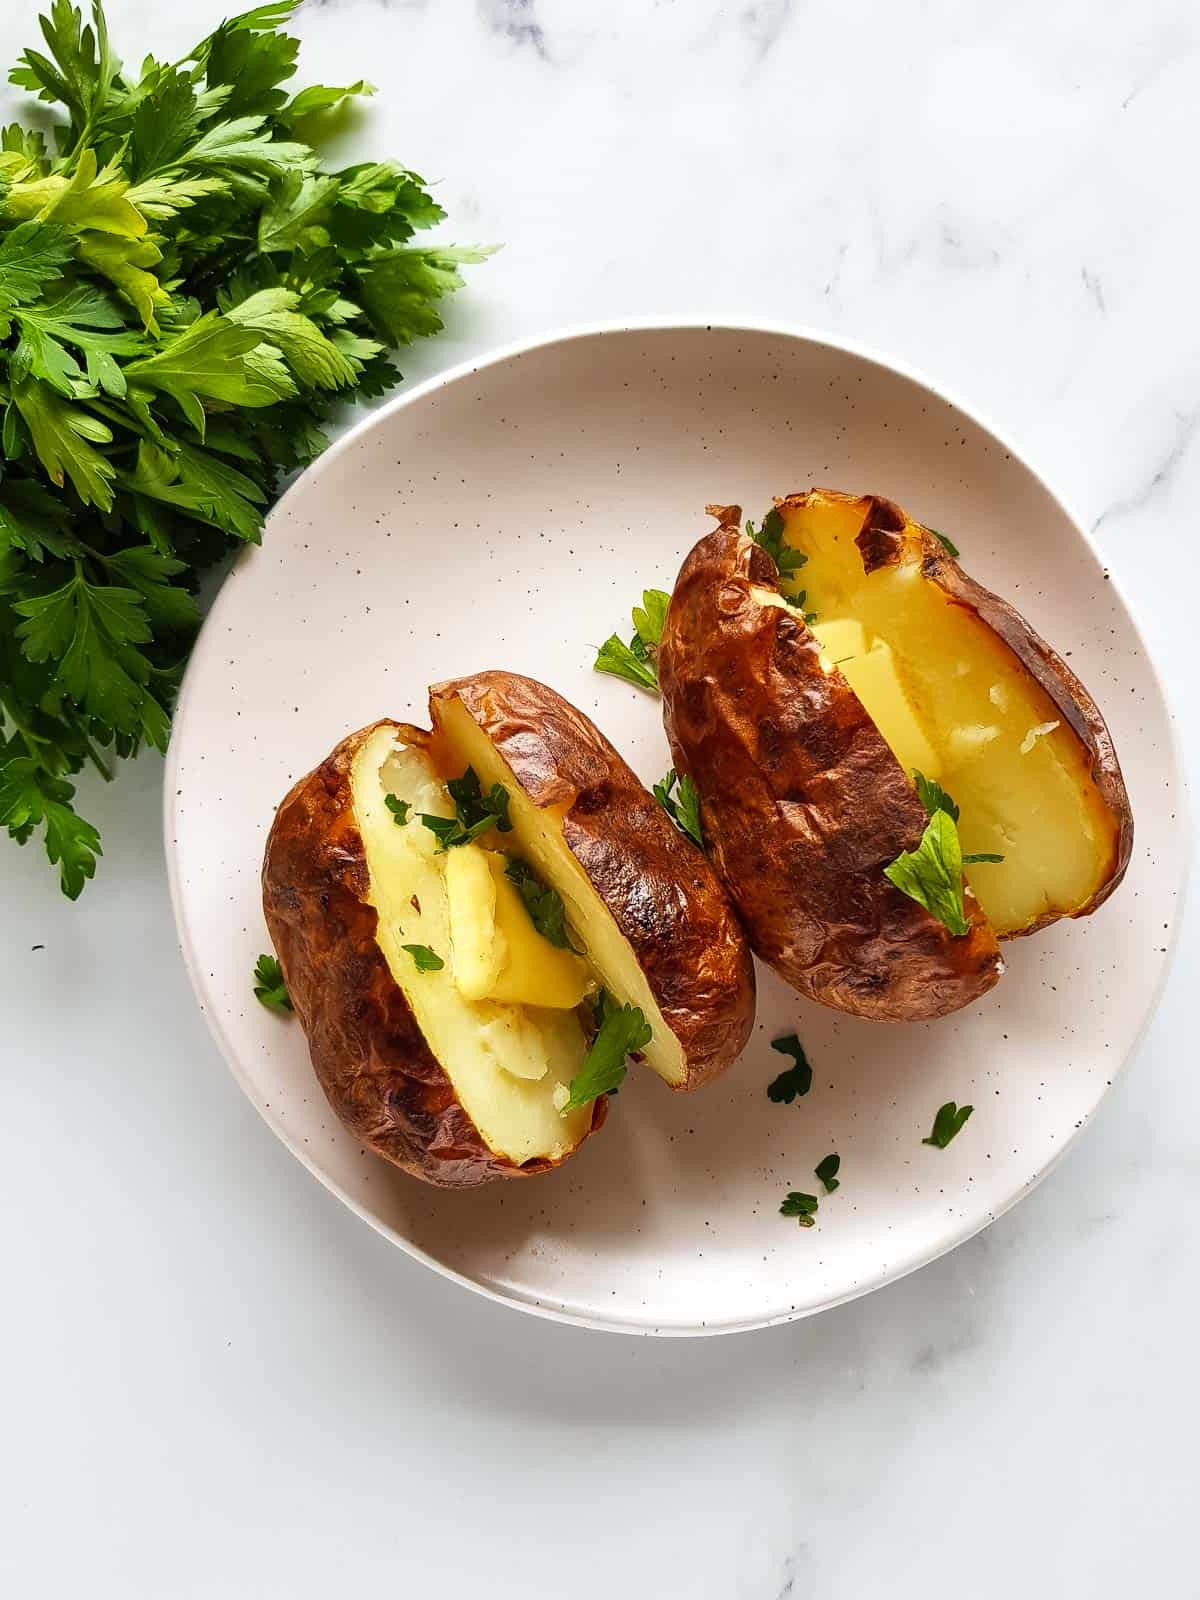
827 1171
270 988
475 812
425 959
801 1206
684 812
795 1080
948 1123
623 1031
400 809
544 904
187 295
634 662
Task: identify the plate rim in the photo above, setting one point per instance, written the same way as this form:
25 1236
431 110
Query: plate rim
512 350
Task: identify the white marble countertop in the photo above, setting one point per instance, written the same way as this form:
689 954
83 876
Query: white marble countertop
219 1382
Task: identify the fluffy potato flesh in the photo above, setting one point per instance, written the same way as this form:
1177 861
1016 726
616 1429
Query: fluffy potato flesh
510 1063
538 838
953 700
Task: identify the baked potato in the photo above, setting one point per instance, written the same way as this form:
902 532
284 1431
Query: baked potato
458 912
817 713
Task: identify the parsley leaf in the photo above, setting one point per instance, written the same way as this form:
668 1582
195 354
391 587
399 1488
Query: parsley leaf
801 1206
635 661
623 1031
544 904
399 808
795 1080
951 548
827 1170
948 1123
932 873
770 536
684 812
648 618
187 292
475 812
618 658
425 959
933 797
270 988
474 807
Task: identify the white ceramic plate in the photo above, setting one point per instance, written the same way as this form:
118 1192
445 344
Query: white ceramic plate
508 515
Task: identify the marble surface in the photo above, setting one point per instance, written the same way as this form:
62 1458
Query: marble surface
220 1382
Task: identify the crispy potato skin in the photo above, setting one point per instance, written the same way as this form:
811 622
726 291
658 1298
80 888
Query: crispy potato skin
887 537
803 802
368 1053
666 899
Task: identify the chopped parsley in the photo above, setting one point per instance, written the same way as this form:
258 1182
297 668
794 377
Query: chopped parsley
270 988
827 1171
400 809
948 1123
684 812
425 959
981 855
801 1206
795 1080
634 662
544 904
473 805
623 1031
950 547
475 812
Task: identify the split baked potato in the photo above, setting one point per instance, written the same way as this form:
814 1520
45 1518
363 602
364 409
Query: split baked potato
873 718
458 911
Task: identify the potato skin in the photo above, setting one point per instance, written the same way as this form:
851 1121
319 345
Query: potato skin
666 899
887 537
369 1055
803 802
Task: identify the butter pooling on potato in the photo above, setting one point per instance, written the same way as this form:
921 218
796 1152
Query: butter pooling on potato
444 1027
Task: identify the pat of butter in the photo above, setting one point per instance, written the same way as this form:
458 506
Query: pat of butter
498 953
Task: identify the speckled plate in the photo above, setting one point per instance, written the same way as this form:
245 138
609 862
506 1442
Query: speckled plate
508 514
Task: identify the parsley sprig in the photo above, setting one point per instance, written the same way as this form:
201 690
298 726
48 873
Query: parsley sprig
187 294
544 904
932 873
623 1031
635 661
788 560
684 812
269 987
475 812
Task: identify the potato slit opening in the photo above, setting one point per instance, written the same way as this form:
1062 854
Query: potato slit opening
538 837
952 699
506 1063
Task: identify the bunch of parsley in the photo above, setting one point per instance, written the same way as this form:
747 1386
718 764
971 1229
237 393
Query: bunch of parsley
185 296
